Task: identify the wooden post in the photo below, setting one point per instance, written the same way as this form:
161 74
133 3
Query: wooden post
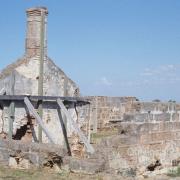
64 130
89 123
41 72
38 118
64 119
82 137
11 118
11 106
95 120
65 86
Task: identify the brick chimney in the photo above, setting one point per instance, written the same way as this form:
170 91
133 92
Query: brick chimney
36 31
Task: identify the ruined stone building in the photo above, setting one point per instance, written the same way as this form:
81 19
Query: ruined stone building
148 133
21 78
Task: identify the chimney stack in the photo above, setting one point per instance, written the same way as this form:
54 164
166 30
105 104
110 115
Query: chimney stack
36 31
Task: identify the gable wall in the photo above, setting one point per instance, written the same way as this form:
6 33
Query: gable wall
56 83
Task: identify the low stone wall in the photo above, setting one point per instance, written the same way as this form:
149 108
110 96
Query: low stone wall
17 154
140 146
29 155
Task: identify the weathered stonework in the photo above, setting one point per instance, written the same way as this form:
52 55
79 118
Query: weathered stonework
108 110
35 16
23 76
18 154
141 146
148 132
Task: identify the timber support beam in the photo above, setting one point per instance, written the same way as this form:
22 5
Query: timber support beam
82 137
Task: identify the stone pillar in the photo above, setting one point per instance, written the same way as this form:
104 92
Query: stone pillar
36 17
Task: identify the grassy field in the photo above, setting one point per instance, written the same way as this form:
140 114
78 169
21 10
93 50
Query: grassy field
45 174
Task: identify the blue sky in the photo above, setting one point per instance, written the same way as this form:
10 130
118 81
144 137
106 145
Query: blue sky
109 47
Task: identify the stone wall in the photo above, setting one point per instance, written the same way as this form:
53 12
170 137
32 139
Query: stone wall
108 110
104 110
56 83
21 78
17 154
140 147
153 112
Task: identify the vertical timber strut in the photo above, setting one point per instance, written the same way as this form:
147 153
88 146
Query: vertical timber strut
41 72
11 107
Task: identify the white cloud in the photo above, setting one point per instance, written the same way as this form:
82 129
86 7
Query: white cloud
168 73
168 68
157 76
161 75
135 83
146 74
105 81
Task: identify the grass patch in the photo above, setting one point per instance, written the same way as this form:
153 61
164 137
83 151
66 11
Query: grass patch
174 172
42 174
39 174
96 137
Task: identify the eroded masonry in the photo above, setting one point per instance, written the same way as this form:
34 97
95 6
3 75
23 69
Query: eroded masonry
45 121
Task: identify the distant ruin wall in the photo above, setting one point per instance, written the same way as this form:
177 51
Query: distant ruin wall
106 110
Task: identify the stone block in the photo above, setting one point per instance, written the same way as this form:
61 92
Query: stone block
12 162
24 164
177 135
33 158
19 163
4 156
86 166
176 125
162 117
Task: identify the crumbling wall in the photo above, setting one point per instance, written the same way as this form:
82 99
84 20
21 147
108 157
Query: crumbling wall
153 112
141 147
26 76
104 110
108 110
17 154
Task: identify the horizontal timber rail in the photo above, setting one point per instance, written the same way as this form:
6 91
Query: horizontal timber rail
79 101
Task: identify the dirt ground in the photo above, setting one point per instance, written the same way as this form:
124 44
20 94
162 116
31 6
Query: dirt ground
45 174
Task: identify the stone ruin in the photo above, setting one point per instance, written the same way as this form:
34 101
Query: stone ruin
23 76
147 134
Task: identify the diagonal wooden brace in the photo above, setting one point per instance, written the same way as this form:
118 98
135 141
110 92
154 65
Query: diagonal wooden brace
82 137
37 117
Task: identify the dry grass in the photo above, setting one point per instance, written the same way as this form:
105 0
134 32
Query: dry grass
174 173
96 137
42 174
